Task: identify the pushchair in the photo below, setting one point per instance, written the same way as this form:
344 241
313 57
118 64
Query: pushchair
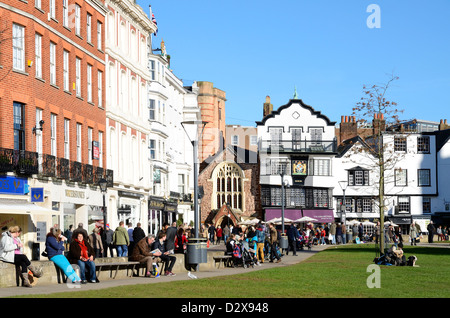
241 256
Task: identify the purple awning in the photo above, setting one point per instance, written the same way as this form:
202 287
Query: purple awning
288 213
322 216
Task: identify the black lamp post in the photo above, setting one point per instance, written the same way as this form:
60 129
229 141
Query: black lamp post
103 184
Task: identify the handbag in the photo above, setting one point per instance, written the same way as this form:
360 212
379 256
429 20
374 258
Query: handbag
44 253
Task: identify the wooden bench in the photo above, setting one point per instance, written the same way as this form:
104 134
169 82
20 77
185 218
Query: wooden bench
225 259
115 265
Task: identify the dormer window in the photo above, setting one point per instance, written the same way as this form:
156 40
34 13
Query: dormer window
358 177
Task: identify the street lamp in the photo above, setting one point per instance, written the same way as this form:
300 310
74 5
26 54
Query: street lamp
343 185
193 136
283 242
103 184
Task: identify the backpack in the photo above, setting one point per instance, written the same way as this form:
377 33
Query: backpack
237 251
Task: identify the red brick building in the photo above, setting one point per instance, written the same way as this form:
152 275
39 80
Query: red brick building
52 84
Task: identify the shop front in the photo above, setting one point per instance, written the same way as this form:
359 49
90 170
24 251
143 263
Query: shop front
155 213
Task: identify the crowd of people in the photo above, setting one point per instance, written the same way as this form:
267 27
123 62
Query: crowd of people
77 247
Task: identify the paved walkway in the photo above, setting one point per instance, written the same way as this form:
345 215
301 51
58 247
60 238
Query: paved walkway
56 288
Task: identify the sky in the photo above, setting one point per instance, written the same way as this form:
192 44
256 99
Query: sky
326 50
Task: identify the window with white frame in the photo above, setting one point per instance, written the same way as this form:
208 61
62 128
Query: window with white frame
53 134
79 142
358 177
52 9
151 67
181 185
99 35
77 19
152 148
424 177
90 145
253 140
100 149
235 140
66 70
66 138
401 177
403 204
78 77
89 28
100 88
38 54
151 108
37 4
65 13
321 167
89 83
18 47
52 63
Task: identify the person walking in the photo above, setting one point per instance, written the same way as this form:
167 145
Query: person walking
413 234
95 241
107 241
226 233
431 231
333 233
219 234
261 237
292 235
121 240
11 251
273 239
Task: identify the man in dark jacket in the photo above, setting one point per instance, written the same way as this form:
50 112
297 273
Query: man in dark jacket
107 240
169 260
138 233
171 233
292 234
431 230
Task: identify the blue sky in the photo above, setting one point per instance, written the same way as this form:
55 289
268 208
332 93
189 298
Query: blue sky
323 48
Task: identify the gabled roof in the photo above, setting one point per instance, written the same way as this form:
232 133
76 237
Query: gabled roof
347 144
442 137
296 101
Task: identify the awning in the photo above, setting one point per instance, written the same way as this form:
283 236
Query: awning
288 213
11 206
322 216
401 220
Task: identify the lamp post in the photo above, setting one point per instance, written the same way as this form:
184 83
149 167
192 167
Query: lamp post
343 185
103 184
284 241
193 138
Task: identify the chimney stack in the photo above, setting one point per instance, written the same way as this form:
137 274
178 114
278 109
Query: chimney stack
348 128
268 107
443 125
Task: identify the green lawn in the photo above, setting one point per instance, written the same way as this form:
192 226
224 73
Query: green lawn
338 272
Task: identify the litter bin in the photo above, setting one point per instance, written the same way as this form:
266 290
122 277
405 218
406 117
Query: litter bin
349 237
36 252
284 242
196 251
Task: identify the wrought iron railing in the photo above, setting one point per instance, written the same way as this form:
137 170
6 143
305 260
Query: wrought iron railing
298 146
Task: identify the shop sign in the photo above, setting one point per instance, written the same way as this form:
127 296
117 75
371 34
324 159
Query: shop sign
13 185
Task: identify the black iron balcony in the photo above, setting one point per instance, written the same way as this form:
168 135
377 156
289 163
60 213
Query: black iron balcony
109 176
300 146
88 174
76 171
26 162
63 168
98 174
6 160
47 165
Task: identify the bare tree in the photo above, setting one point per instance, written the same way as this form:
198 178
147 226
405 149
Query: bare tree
375 106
